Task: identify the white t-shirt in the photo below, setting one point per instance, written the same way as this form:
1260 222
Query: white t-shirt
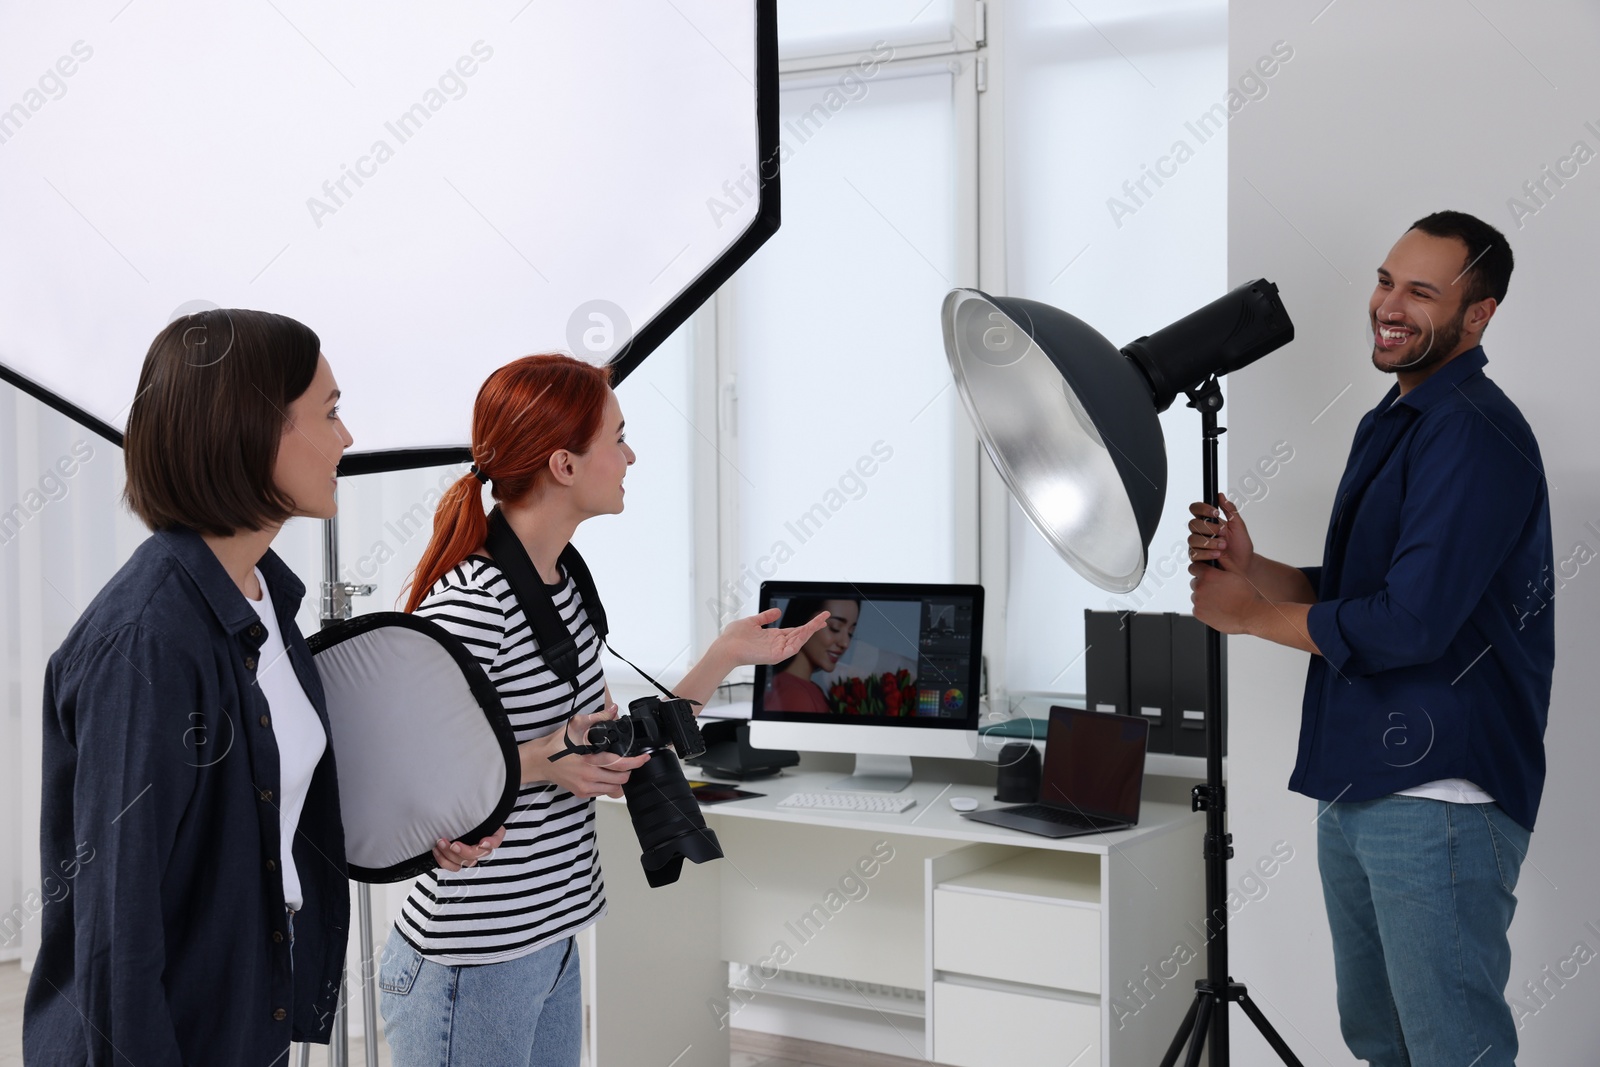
1451 790
298 731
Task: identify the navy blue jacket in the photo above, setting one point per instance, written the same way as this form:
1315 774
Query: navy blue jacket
1433 613
160 818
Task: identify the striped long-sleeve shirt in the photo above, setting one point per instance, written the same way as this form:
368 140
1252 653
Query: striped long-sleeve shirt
543 883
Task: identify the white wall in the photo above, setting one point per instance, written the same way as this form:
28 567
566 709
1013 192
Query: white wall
1386 113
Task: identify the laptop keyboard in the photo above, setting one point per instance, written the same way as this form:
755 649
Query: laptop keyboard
1060 816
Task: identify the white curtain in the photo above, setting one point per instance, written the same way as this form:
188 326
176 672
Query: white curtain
62 535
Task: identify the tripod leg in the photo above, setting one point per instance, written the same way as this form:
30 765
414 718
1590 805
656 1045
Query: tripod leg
1182 1035
1202 1024
1278 1044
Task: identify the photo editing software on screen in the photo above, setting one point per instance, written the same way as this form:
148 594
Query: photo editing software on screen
911 654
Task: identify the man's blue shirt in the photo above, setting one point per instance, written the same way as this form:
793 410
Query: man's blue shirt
1433 613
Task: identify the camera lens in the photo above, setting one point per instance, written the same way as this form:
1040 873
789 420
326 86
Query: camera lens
667 819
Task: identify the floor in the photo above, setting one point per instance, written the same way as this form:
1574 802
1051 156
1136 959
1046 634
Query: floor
12 986
749 1049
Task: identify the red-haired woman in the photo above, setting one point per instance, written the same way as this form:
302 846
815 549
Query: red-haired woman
481 966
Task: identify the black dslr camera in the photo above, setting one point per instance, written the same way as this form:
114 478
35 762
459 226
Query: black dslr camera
665 814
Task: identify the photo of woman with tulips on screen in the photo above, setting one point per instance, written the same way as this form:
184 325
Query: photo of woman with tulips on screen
862 662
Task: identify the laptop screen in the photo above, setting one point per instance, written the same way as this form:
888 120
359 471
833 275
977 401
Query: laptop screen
1094 763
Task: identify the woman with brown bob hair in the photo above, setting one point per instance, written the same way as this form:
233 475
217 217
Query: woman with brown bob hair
191 807
481 965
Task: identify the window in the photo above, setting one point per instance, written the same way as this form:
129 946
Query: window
848 455
1125 262
812 28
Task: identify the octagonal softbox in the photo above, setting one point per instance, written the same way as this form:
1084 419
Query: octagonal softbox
424 749
435 189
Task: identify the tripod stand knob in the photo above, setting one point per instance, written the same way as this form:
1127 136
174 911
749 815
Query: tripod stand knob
1202 797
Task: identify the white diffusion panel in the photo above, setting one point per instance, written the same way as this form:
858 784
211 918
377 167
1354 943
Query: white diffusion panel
848 426
435 189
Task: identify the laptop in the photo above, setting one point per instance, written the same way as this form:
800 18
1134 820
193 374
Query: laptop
1092 779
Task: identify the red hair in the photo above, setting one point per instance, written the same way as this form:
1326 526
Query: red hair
525 412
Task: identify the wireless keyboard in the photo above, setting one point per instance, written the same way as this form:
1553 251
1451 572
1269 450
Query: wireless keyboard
876 802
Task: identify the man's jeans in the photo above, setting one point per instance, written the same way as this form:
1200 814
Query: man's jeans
1419 897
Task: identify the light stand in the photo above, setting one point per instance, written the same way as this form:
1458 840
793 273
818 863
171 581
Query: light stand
1070 422
1208 1015
338 605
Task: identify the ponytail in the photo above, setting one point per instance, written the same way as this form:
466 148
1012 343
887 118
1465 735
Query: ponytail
459 526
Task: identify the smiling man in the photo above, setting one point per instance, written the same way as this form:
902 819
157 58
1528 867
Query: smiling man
1422 728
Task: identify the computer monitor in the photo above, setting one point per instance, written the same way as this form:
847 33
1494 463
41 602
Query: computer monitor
894 674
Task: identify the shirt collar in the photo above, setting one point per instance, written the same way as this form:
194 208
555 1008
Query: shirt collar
211 578
1439 384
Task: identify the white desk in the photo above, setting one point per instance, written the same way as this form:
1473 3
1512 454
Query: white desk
979 945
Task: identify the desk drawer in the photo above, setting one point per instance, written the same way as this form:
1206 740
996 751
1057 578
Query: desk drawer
984 1028
1030 941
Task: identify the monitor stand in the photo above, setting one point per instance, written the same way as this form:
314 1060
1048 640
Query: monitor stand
877 774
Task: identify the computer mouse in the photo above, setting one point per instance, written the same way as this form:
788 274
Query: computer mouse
964 803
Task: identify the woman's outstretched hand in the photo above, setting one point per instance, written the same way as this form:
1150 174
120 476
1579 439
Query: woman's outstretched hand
750 641
744 642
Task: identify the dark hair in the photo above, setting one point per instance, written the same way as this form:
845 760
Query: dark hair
803 609
1489 259
525 412
203 432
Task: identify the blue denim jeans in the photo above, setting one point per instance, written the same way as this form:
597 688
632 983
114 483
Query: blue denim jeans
1420 896
526 1011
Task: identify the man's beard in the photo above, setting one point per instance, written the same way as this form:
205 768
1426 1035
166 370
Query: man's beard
1442 342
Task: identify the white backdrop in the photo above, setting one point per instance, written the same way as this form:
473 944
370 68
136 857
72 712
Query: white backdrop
1389 112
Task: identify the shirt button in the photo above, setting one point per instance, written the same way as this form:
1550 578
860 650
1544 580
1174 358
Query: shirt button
255 631
277 937
272 865
250 663
278 1015
266 720
266 794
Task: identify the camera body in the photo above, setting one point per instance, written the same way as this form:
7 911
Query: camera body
651 724
666 817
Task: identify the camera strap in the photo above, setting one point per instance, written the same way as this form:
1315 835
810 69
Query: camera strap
556 643
557 646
